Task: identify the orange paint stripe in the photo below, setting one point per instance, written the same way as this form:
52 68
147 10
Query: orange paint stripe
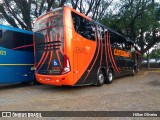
58 39
95 58
60 36
56 35
51 52
101 46
111 53
42 54
61 50
50 59
45 56
44 60
105 39
61 43
58 58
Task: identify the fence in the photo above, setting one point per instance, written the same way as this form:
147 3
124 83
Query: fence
151 65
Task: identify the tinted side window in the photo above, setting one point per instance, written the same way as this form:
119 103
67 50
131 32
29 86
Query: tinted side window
6 41
18 40
22 41
83 26
117 41
15 40
29 41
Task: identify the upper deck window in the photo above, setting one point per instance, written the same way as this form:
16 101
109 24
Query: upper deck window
83 26
118 41
52 19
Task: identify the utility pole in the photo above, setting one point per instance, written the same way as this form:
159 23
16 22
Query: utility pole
148 63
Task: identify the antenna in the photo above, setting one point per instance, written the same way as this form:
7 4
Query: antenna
68 3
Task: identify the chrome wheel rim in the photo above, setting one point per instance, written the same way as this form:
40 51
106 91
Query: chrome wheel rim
101 78
110 76
133 71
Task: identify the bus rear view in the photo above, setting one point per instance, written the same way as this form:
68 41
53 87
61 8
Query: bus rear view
72 49
51 63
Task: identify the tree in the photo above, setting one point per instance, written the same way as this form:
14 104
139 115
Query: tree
137 19
95 9
155 53
22 13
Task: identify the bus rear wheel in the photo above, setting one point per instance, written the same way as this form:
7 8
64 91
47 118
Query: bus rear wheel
109 77
100 78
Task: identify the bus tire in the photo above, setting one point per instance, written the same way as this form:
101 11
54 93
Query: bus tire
100 78
109 77
35 82
28 83
32 83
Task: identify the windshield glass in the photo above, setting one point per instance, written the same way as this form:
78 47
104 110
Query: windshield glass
51 19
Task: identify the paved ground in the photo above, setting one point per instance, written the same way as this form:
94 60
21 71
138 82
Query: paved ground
138 93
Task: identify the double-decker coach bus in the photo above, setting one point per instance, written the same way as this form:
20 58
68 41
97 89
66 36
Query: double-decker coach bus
72 49
16 55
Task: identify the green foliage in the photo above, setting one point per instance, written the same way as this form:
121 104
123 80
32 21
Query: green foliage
137 20
22 13
155 53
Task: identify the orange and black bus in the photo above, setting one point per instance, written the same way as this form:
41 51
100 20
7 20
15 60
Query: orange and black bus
72 49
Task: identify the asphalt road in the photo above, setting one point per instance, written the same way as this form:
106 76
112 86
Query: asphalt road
129 93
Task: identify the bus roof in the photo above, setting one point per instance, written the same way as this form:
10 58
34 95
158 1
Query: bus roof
41 16
15 29
109 29
81 14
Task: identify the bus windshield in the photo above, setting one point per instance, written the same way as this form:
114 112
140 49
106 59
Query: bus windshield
48 38
53 19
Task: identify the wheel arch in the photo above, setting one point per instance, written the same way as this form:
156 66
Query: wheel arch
110 68
102 69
